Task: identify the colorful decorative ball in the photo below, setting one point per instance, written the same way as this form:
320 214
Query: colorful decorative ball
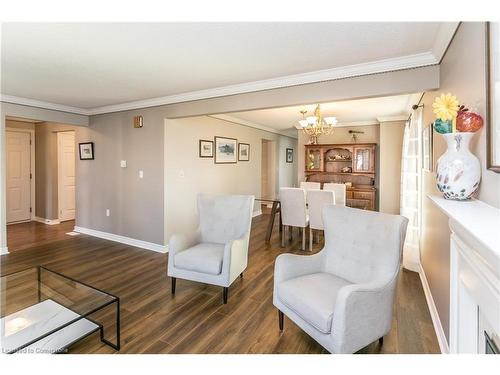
443 127
469 122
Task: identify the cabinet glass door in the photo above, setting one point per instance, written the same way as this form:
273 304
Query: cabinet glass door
314 160
363 160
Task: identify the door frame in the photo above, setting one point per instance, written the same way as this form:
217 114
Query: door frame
32 169
59 174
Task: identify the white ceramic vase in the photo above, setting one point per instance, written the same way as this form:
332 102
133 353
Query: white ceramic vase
458 171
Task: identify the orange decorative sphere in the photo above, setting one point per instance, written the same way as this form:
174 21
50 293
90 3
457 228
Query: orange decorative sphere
469 122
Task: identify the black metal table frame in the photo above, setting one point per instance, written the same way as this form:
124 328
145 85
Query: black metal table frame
115 300
276 209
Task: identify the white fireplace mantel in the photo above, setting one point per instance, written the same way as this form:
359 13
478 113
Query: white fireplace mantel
474 273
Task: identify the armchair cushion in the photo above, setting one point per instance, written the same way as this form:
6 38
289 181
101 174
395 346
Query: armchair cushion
204 258
312 297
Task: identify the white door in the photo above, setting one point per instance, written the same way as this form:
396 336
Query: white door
66 175
18 176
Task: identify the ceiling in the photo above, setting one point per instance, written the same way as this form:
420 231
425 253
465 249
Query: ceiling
349 113
96 67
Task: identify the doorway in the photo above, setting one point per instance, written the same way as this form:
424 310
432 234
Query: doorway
41 211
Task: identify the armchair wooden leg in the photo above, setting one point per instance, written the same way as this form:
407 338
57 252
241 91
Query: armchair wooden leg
241 275
381 341
303 238
283 235
310 239
225 293
281 318
173 284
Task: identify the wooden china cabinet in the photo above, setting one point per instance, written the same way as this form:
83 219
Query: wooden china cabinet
353 164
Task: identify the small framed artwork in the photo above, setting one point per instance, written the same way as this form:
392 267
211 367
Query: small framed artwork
206 149
225 150
86 150
427 148
289 155
243 152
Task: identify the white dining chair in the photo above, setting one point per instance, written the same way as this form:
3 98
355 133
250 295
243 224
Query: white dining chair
293 212
339 190
310 185
317 200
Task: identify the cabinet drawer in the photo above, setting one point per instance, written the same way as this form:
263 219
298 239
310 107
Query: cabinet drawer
363 195
348 194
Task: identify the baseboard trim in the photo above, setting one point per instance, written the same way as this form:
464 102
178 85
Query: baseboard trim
256 213
436 322
4 250
46 221
122 239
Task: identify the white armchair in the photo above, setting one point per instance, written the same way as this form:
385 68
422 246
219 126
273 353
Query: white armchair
343 295
217 252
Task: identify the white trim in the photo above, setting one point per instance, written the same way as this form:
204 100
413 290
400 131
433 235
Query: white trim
251 124
443 38
355 70
122 239
436 322
46 221
256 213
41 104
349 124
392 118
4 250
32 166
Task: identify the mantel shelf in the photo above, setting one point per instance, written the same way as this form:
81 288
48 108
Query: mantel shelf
478 219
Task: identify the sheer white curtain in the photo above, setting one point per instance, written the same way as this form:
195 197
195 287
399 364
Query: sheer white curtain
411 188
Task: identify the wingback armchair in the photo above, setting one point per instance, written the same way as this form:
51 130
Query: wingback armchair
217 252
343 295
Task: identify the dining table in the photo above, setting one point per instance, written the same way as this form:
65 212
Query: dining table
275 203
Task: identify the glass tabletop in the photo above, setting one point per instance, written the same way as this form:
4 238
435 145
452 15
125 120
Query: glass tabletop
45 311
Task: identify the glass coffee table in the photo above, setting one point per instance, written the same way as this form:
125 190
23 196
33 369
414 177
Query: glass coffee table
43 311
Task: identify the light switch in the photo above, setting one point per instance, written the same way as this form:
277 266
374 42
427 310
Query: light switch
108 212
141 174
123 163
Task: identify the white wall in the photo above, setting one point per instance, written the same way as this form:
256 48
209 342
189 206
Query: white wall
187 175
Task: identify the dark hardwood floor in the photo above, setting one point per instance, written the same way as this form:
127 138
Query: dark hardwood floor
26 235
195 320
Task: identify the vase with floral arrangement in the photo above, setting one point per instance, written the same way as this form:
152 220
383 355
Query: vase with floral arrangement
458 172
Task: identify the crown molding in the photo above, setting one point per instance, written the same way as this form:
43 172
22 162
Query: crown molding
392 118
374 67
44 105
349 124
380 66
251 124
443 39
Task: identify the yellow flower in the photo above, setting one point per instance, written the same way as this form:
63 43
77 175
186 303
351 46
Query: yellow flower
446 107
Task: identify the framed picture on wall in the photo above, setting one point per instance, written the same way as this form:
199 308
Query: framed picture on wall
206 149
86 150
225 150
289 155
243 152
493 95
427 158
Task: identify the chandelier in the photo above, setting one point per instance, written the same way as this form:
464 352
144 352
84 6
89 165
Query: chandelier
316 125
